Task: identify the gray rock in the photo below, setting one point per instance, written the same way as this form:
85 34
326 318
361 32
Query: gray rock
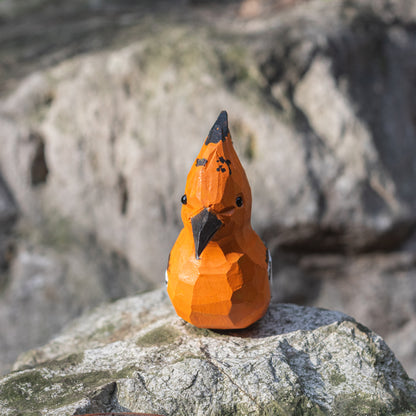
8 208
353 173
402 340
137 355
49 286
8 217
378 289
106 140
321 107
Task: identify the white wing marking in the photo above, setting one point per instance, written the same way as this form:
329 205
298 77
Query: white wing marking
269 268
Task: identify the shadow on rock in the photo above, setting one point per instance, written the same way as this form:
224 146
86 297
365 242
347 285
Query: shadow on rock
281 319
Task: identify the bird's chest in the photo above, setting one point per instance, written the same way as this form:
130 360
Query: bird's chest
217 274
216 265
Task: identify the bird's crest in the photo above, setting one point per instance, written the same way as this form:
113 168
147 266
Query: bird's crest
217 176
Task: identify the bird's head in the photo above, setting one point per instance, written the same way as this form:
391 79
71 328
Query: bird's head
217 199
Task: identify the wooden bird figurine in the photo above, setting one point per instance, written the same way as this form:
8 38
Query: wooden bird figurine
219 269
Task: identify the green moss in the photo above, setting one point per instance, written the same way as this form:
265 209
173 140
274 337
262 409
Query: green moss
68 361
200 332
158 336
359 404
58 234
177 49
34 390
55 231
127 372
103 331
293 406
71 360
190 54
337 378
234 65
239 71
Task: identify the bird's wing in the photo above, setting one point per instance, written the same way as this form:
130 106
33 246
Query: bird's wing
166 271
269 267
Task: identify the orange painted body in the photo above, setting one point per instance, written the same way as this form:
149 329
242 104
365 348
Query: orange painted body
218 271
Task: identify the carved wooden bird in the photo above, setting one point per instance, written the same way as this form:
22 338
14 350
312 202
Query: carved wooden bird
219 269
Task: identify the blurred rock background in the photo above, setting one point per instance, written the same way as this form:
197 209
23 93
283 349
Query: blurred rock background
104 104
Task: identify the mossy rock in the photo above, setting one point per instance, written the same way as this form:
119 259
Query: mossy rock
295 361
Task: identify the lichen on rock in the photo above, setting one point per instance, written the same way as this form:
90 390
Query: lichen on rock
104 113
137 355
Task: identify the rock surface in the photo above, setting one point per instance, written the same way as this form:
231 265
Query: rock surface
378 288
8 217
102 136
8 208
50 287
99 137
137 355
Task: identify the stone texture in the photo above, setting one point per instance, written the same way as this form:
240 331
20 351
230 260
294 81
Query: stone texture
8 217
121 117
321 107
137 355
51 286
8 208
378 288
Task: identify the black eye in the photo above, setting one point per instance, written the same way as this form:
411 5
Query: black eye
239 201
184 199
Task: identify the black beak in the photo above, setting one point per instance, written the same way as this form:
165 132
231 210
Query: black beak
204 226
